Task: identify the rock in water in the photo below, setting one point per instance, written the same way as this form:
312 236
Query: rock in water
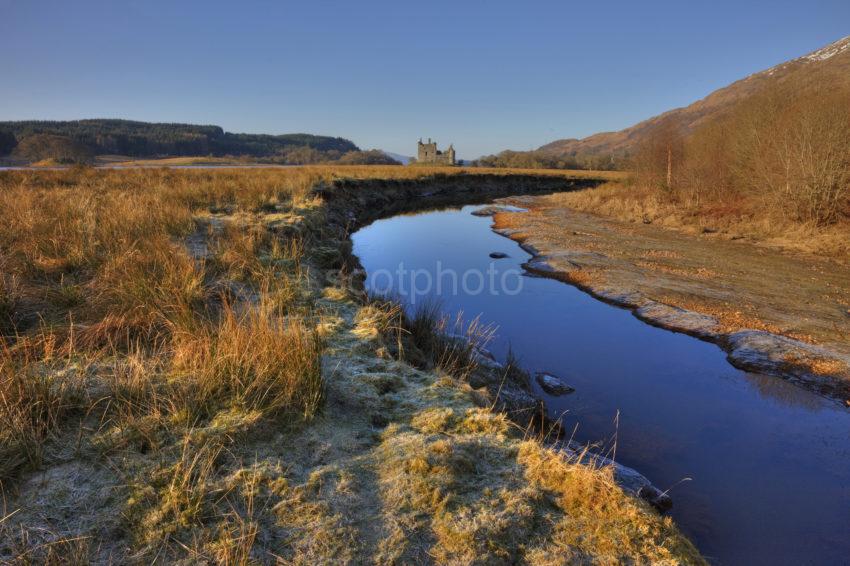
498 255
489 211
552 384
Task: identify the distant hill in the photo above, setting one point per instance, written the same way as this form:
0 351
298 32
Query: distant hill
148 140
368 157
829 66
403 159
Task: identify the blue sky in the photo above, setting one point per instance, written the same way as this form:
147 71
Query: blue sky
484 75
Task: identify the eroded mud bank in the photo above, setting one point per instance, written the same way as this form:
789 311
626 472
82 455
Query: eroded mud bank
352 204
601 258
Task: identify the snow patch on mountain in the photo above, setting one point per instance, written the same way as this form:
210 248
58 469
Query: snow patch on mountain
830 50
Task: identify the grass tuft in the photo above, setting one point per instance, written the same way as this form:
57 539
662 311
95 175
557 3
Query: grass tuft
254 359
35 397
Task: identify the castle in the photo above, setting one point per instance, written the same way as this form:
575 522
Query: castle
428 154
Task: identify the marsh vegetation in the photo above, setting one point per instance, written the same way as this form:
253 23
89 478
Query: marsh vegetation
178 380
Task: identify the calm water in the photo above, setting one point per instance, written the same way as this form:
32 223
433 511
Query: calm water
766 465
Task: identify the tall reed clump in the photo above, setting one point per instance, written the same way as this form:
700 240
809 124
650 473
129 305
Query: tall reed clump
452 343
37 392
424 335
9 300
144 294
255 360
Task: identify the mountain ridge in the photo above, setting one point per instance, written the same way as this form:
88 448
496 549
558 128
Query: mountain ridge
828 63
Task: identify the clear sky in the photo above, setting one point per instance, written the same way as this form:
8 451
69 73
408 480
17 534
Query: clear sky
486 75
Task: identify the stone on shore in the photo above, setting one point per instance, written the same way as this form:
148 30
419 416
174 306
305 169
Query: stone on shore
552 384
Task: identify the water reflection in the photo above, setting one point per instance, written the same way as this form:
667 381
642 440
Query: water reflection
783 391
768 462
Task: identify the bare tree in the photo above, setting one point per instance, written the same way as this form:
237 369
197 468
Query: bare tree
658 158
796 154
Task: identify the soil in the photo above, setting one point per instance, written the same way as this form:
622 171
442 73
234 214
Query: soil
772 311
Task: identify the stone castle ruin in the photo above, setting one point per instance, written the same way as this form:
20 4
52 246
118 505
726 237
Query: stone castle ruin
428 153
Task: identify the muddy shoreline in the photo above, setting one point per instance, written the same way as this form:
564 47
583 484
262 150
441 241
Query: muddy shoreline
353 204
752 350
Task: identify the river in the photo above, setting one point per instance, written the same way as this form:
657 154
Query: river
758 468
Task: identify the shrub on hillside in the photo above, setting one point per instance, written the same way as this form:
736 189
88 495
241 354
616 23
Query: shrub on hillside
786 155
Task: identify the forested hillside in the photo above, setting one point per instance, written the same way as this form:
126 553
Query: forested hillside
145 140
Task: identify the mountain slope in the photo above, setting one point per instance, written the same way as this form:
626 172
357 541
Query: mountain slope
823 68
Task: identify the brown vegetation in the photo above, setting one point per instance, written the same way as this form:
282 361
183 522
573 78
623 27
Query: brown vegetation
548 160
788 157
828 67
167 355
777 169
767 157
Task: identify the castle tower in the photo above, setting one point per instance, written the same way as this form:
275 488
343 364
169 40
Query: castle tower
428 153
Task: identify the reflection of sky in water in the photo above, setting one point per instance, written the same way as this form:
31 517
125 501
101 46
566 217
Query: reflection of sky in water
769 462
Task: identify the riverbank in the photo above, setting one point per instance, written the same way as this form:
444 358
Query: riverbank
723 442
777 313
203 383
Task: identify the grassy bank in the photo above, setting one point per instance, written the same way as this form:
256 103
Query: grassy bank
739 218
180 380
774 166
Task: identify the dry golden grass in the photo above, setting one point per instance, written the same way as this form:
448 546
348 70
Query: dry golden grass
663 254
818 366
37 393
731 318
96 275
168 360
732 218
582 277
255 359
468 482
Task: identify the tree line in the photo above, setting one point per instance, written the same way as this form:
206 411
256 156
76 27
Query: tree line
147 140
537 159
